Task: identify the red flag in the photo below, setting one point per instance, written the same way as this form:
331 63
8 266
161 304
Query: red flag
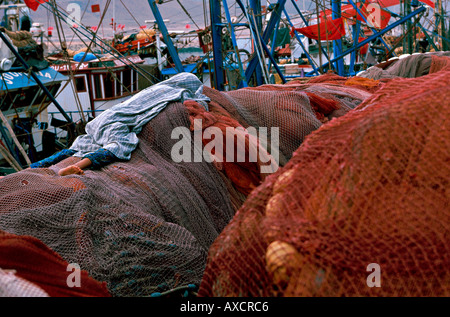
94 28
363 50
34 4
329 30
431 3
143 26
95 8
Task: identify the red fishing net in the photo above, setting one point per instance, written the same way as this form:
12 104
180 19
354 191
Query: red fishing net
368 190
35 263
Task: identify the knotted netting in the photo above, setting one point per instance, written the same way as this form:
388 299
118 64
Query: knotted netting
144 226
367 190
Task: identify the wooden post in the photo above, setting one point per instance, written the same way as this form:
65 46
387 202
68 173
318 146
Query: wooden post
11 160
13 135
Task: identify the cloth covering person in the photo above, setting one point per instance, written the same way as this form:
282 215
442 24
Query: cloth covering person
113 134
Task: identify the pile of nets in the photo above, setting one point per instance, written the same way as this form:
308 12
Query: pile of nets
408 66
366 193
144 226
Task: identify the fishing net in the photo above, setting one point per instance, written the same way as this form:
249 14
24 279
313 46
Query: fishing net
368 190
295 109
144 226
412 66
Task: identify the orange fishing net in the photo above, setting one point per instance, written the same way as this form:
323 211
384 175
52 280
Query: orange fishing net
370 189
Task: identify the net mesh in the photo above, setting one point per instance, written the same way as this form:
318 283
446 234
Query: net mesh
366 193
145 226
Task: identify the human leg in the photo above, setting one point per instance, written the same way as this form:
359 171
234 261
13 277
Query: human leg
94 160
53 159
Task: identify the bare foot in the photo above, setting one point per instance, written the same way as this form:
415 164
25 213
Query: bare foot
69 170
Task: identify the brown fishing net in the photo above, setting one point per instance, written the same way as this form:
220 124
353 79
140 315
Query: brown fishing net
370 188
142 226
145 226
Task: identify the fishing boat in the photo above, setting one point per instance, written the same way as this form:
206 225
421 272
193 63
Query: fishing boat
99 83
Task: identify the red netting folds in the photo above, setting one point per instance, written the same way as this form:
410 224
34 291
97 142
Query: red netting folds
370 188
35 263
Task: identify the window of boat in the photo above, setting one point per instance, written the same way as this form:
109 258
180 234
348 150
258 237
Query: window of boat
97 86
135 81
80 84
109 80
119 84
126 80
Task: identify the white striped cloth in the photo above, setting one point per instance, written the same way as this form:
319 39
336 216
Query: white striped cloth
116 129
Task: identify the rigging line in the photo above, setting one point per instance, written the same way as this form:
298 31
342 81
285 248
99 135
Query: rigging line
290 24
62 41
135 20
88 48
113 51
81 18
80 109
146 34
187 13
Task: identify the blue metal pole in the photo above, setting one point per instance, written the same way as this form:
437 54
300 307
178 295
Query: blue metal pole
235 46
167 40
255 5
356 29
274 38
275 17
337 44
264 46
214 7
374 36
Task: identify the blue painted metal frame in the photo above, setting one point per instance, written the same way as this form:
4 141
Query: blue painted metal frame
337 44
266 50
167 40
233 40
365 20
374 36
216 22
275 17
255 5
